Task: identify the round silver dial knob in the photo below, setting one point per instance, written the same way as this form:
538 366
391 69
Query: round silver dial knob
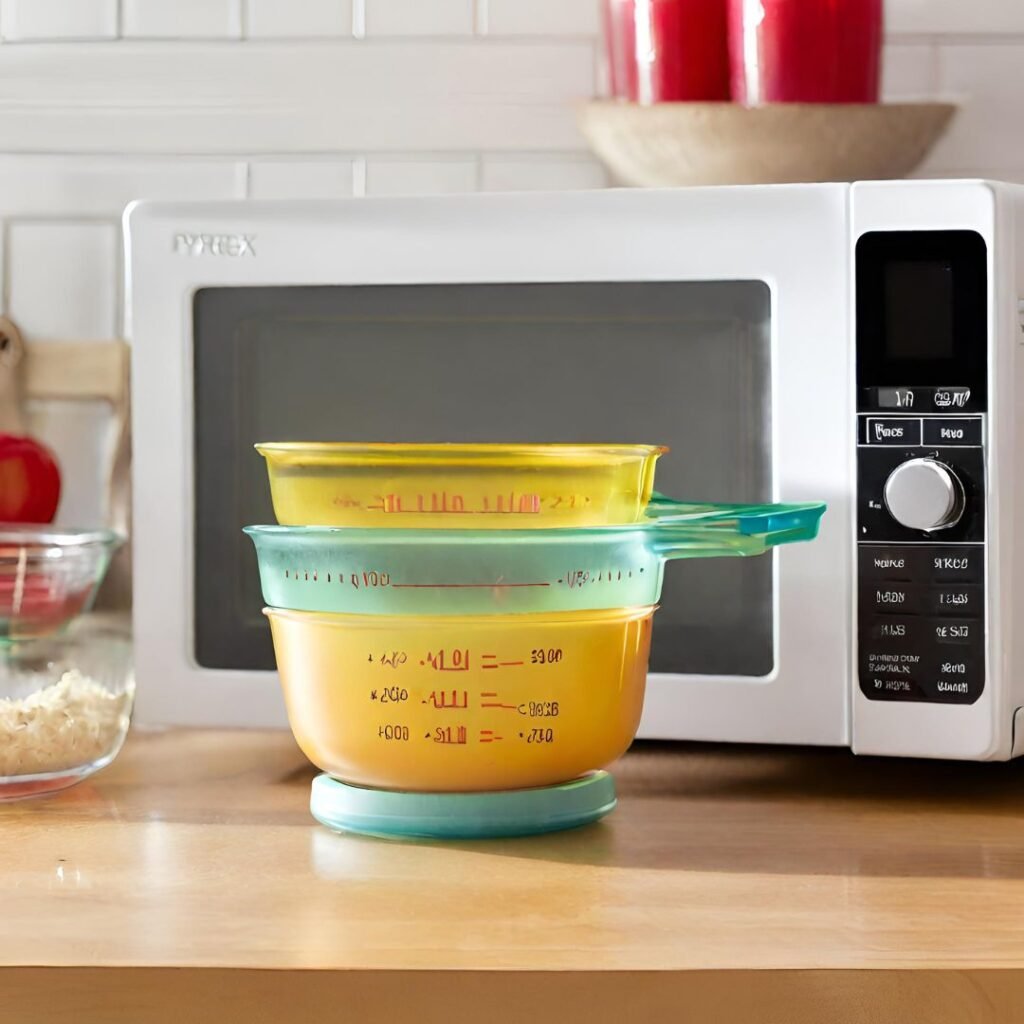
924 494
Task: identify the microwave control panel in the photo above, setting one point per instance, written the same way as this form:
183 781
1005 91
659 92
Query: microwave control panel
921 431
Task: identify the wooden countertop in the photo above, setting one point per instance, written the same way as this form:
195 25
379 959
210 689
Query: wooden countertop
188 882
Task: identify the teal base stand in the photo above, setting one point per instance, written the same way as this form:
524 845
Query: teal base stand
518 812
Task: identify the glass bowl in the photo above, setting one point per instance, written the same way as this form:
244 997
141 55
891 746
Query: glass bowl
65 704
48 576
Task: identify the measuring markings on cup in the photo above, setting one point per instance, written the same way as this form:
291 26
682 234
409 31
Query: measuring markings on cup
449 503
372 579
444 503
460 659
443 700
453 702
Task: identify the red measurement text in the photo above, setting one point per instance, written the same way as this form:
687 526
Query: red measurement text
368 579
449 735
545 655
540 736
444 700
390 695
456 660
389 659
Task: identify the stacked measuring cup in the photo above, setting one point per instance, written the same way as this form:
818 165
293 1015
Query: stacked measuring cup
462 631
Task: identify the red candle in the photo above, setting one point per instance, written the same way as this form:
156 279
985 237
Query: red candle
662 51
805 51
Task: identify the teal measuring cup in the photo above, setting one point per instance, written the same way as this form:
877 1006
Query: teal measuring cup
479 572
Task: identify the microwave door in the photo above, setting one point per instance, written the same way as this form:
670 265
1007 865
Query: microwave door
687 364
735 356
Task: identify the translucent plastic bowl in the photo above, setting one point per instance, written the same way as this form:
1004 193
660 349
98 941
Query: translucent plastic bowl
459 704
48 576
487 572
459 486
65 703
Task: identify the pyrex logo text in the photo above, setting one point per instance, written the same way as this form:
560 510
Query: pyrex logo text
214 245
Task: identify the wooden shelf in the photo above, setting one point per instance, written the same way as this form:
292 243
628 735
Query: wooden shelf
188 882
77 370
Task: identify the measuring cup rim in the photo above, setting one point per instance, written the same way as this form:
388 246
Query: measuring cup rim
418 620
396 535
474 452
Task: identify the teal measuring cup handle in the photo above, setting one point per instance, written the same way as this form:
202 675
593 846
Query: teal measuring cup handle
691 530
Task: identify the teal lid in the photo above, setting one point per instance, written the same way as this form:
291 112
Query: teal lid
516 812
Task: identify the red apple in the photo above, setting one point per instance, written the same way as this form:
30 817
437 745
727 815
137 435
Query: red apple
29 481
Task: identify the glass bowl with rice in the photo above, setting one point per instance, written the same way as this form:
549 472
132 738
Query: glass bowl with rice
66 677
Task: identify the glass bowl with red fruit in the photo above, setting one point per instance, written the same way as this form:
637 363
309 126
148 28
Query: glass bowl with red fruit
49 576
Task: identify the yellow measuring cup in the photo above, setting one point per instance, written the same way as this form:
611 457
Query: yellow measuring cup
462 703
459 486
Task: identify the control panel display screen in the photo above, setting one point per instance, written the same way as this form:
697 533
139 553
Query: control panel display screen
922 330
918 299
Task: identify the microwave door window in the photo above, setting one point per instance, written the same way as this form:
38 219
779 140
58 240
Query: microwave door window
685 364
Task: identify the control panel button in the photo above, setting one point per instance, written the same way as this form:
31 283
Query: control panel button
888 598
894 663
881 687
955 632
877 464
901 431
893 630
965 564
891 562
953 665
950 398
964 600
944 431
924 494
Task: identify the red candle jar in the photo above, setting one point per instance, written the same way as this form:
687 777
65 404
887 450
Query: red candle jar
662 51
805 51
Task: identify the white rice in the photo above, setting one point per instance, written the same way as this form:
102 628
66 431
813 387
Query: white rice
67 724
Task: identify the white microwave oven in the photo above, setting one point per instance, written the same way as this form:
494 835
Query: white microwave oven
857 344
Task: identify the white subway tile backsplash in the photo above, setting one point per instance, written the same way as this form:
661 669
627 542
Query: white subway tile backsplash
382 95
419 17
537 172
79 186
544 17
37 20
300 179
294 19
954 17
62 279
396 177
988 81
181 19
909 71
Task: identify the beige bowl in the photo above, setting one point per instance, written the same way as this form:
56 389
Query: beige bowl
727 144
